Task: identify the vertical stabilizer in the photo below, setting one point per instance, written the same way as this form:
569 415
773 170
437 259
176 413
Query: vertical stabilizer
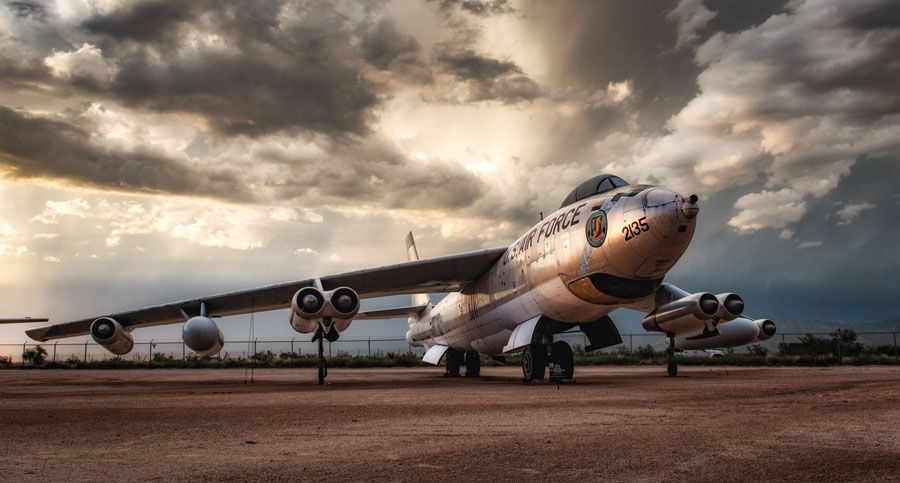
413 254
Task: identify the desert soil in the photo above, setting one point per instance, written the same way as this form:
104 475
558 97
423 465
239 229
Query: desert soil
621 423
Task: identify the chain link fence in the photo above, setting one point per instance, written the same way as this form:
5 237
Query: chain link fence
839 343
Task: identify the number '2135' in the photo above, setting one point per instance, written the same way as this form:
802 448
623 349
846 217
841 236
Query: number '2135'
635 228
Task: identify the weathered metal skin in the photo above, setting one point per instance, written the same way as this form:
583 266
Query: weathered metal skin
568 268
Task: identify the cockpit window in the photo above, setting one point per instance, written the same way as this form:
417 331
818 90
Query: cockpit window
593 186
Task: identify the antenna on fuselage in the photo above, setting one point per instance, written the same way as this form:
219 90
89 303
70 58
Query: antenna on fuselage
542 216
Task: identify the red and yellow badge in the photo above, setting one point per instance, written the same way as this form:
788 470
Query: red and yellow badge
595 228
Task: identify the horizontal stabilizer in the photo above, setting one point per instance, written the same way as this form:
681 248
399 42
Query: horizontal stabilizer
23 320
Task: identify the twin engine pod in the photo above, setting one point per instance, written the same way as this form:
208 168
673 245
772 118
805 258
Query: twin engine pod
311 306
693 311
112 336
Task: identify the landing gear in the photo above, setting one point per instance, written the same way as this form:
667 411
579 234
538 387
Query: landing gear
534 362
672 367
322 363
561 355
453 359
473 364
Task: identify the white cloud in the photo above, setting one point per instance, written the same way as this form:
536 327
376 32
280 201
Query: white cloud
283 213
13 251
313 217
304 251
809 244
6 230
786 234
86 62
45 236
51 259
769 209
53 210
851 211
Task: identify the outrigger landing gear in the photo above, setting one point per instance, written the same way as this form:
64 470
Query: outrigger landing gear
672 368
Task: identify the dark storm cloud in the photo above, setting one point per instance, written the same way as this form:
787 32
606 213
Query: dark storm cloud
39 147
488 78
374 171
150 21
23 9
252 68
481 8
386 48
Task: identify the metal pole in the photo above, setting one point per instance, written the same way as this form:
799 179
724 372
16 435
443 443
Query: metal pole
783 346
85 352
150 355
292 345
23 353
631 343
54 351
370 345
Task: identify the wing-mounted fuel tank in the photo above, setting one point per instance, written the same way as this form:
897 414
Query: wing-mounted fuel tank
202 335
733 333
110 334
311 306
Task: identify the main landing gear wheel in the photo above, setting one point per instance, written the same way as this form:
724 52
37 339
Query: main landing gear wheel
453 359
534 362
473 364
672 367
561 354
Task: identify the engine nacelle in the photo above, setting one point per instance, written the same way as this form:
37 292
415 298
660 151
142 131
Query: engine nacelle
766 328
683 314
203 336
731 306
733 333
112 336
310 307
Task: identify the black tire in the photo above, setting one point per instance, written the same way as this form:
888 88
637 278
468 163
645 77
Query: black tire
534 362
672 368
473 364
452 361
561 354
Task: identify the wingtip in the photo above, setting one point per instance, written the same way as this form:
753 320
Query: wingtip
38 334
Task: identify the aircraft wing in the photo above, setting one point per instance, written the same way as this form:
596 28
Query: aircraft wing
441 274
23 320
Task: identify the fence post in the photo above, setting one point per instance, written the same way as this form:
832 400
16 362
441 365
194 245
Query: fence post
150 355
370 345
255 350
23 353
54 350
783 347
631 343
292 345
85 352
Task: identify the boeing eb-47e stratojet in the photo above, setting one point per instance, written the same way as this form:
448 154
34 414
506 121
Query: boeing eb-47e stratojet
608 246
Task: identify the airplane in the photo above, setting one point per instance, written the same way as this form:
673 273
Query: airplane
608 246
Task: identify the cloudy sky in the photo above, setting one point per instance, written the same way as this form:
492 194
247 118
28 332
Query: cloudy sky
158 150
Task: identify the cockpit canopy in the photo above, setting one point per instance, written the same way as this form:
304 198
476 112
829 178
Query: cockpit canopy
594 186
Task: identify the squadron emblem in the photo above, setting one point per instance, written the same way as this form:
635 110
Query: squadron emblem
596 228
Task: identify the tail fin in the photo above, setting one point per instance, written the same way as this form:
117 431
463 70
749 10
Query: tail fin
413 254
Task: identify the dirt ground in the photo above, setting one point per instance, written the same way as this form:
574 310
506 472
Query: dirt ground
624 423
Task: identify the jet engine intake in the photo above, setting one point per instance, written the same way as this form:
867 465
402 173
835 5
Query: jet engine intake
112 336
731 306
767 329
311 307
682 314
202 335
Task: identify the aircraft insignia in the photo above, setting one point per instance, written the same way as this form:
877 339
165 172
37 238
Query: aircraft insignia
596 228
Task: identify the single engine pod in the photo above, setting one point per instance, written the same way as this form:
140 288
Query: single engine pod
683 314
344 302
308 303
767 329
112 336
